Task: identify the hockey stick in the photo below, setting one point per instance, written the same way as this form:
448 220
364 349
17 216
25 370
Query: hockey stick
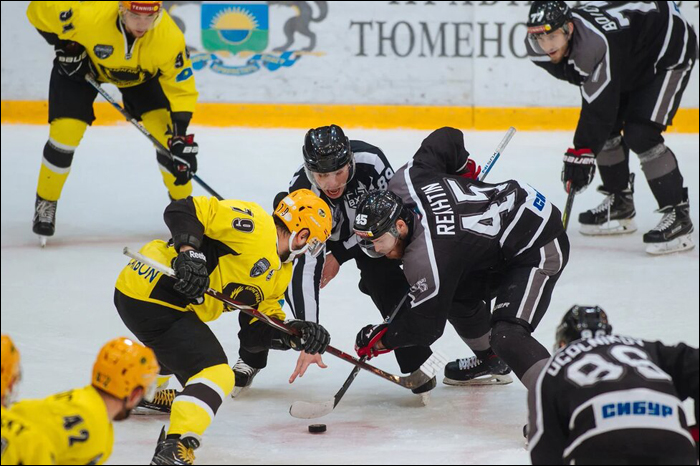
567 209
159 146
414 380
309 410
497 153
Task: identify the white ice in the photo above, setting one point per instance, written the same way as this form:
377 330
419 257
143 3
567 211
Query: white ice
57 302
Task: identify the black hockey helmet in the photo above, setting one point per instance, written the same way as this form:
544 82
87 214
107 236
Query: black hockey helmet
582 322
377 215
547 17
326 149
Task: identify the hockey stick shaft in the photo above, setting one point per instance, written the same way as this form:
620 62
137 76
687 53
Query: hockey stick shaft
567 209
497 153
338 396
406 382
159 146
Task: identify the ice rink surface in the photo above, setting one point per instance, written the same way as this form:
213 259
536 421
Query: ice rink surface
57 302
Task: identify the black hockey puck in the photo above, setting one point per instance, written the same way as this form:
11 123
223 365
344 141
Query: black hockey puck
317 428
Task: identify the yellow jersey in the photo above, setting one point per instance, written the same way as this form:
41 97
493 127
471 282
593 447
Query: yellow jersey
161 53
67 428
239 240
22 443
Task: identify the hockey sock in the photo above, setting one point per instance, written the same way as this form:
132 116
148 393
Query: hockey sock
64 136
514 344
613 163
195 407
661 170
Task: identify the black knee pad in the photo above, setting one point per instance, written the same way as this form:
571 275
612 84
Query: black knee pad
642 136
506 337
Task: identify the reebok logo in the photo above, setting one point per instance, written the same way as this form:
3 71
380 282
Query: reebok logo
197 255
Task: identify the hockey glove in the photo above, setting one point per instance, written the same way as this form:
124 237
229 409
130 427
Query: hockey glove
192 277
471 170
313 338
579 169
367 339
183 164
72 60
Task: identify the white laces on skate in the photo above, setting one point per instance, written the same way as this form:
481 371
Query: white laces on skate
468 363
46 211
606 205
666 221
244 368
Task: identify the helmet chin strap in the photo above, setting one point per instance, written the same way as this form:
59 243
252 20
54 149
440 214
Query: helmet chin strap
292 253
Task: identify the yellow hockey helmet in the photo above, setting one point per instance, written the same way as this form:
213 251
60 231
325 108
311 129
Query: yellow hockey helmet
10 365
124 365
304 209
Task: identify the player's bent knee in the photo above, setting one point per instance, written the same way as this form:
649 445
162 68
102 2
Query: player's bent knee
505 336
640 137
66 133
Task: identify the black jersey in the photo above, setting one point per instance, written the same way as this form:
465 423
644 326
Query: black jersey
372 171
601 391
619 47
462 227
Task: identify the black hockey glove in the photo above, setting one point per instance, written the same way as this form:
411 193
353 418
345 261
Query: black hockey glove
314 338
579 169
192 277
366 341
72 60
183 164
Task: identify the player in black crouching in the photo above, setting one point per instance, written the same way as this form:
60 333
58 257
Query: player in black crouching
462 243
609 399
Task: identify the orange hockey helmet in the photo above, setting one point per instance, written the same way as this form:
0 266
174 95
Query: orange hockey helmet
10 366
304 209
124 365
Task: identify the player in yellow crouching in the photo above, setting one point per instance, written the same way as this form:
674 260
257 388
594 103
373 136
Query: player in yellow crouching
75 427
238 249
137 47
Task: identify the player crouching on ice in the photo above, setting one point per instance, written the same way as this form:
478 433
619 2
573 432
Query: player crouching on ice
75 427
610 399
462 243
632 61
238 249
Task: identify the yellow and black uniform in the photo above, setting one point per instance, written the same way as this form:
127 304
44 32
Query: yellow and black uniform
67 428
239 240
153 73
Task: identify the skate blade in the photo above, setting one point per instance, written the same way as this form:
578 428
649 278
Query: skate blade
141 411
492 379
613 227
680 244
238 391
